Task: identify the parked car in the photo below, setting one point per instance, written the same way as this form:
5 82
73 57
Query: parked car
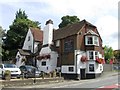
29 71
14 70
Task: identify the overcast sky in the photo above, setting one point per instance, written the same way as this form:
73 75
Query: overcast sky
101 13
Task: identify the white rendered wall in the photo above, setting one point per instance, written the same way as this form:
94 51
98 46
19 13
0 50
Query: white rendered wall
80 65
28 43
48 34
65 68
19 61
51 64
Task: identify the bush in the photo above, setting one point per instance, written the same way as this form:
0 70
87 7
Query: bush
7 75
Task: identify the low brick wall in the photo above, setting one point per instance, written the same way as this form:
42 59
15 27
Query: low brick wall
30 81
107 67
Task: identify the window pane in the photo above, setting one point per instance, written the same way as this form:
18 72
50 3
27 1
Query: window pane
43 63
96 40
96 55
90 41
91 67
91 55
70 69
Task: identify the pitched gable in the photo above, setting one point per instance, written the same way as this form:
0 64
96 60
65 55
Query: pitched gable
91 32
37 34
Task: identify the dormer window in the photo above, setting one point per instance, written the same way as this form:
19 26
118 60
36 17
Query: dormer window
91 40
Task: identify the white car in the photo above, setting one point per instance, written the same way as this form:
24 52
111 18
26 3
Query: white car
15 71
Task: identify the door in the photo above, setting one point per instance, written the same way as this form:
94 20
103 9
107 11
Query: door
82 73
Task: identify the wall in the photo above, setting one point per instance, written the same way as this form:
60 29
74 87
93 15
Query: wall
51 64
107 67
65 69
28 43
19 60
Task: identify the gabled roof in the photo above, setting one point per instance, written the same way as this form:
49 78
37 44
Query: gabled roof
91 32
70 29
25 52
37 34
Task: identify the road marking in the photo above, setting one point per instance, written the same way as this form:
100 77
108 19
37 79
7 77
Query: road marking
109 87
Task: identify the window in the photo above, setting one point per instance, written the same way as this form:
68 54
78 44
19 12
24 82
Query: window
71 69
92 55
96 55
43 63
28 38
68 45
95 40
91 67
92 40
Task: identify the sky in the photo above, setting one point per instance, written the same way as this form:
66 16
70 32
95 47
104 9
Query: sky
101 13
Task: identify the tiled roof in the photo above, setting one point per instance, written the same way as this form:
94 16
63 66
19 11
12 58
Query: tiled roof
62 32
24 52
70 30
37 34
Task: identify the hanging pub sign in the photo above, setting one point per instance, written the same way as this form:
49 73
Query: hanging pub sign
84 59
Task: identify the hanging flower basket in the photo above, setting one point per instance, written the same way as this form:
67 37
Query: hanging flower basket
48 56
84 59
100 60
44 57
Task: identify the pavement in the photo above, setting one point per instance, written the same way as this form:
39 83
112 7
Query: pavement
37 81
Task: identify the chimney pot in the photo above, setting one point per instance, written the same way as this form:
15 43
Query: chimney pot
49 22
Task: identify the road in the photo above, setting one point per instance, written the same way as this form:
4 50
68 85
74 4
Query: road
101 82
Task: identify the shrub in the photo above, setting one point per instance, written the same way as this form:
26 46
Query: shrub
7 75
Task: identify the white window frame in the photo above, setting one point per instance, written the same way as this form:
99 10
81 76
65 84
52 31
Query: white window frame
95 40
94 54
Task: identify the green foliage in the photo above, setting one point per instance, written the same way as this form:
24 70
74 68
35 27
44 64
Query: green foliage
117 55
67 20
2 35
108 53
7 75
16 34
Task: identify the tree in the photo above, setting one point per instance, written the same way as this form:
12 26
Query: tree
67 20
117 55
16 34
108 53
2 35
